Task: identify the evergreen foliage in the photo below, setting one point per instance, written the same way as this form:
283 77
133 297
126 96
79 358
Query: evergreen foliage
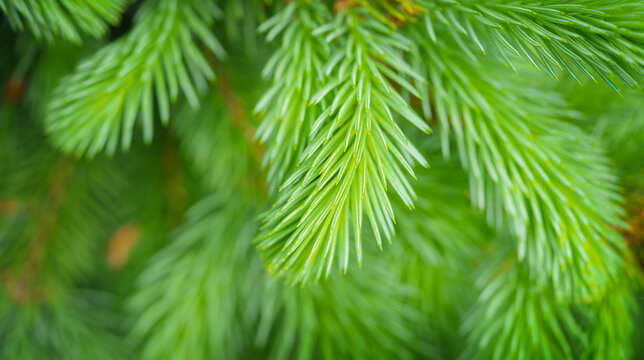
192 179
124 79
581 37
355 151
65 19
168 326
520 161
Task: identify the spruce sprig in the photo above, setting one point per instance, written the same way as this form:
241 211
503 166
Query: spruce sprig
442 240
323 319
67 19
584 38
295 71
516 318
530 167
96 107
210 255
356 151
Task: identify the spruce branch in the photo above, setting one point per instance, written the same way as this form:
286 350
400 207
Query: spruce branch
586 38
242 19
610 322
390 13
346 84
22 284
75 327
531 168
621 127
207 272
516 318
295 71
63 209
356 150
240 301
48 242
431 230
49 247
95 108
67 19
239 114
341 317
220 126
441 241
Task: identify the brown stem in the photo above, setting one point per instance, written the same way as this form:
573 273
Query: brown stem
236 108
240 117
174 182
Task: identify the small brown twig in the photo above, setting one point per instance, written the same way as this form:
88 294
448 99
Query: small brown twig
236 107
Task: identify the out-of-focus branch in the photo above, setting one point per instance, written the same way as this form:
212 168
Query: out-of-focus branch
238 113
236 108
21 283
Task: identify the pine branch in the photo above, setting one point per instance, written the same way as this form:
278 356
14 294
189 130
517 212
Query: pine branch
582 37
556 190
67 19
101 101
356 149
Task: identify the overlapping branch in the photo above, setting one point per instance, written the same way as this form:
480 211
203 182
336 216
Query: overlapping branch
67 19
96 107
584 38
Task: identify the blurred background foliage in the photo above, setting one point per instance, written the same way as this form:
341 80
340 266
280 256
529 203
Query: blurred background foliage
149 232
